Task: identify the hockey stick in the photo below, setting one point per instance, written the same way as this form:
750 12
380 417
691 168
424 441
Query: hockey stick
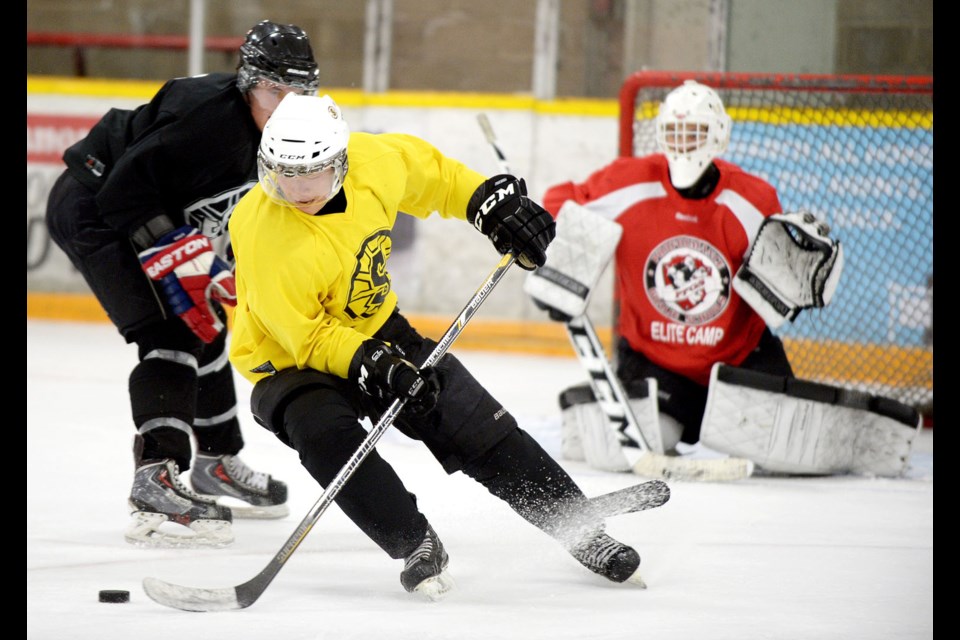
639 497
614 403
244 595
613 399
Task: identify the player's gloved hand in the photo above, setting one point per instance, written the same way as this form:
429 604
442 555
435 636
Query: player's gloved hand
555 314
501 210
383 374
190 274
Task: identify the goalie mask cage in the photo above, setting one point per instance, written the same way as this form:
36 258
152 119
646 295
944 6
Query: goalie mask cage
857 152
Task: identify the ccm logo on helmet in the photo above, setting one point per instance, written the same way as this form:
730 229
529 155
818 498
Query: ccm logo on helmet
175 255
290 156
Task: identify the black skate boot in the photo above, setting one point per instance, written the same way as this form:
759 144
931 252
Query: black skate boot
253 494
159 497
606 557
425 570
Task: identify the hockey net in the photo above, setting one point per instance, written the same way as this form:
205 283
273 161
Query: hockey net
857 151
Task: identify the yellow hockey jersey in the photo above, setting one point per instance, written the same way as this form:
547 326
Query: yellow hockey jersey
312 288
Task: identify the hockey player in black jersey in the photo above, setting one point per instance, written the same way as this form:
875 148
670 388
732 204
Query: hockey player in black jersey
319 333
142 212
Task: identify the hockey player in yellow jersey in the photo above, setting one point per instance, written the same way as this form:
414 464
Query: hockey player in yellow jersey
318 331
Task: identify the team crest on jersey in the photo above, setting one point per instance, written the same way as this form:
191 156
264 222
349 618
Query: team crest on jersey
370 283
688 280
210 215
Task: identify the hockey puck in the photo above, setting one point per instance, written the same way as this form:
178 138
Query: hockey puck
110 595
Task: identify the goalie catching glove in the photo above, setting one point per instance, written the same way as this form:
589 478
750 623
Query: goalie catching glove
382 374
792 265
501 210
191 275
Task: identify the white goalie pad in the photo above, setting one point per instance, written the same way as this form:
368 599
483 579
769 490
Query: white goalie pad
576 259
791 265
804 428
587 434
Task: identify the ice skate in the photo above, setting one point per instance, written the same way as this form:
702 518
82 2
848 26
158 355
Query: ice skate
168 514
425 570
606 557
248 493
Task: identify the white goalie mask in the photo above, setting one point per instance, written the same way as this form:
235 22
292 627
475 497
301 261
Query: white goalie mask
692 129
302 160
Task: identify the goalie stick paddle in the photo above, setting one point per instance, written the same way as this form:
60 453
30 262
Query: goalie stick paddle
244 595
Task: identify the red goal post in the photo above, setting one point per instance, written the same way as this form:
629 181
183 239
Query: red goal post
857 151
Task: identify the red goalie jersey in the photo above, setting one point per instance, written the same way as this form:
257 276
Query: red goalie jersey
677 258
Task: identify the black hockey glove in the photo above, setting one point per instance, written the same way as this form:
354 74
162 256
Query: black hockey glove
501 210
381 373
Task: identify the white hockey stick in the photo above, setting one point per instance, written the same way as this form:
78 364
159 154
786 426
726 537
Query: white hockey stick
244 595
613 399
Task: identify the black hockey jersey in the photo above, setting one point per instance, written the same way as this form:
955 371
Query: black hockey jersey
190 153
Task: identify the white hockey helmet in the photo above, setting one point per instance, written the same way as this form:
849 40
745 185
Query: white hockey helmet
692 129
302 160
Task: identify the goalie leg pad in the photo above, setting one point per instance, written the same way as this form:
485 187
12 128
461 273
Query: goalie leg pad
792 426
576 259
587 433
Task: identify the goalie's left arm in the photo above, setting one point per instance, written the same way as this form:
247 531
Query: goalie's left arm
792 265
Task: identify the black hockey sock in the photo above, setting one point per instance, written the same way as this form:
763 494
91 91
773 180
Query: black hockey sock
215 425
518 471
163 398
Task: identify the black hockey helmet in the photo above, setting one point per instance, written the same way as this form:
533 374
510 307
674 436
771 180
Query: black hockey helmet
280 53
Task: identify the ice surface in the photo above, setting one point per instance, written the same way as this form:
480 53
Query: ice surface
825 558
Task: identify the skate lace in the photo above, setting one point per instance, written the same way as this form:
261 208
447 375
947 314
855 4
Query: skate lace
182 488
423 552
244 474
597 552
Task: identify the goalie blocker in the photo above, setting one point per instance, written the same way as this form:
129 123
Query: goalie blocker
792 426
576 259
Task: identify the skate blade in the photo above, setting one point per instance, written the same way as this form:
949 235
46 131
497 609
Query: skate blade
247 511
145 531
437 587
636 580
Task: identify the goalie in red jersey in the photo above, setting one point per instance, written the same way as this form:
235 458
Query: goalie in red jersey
706 265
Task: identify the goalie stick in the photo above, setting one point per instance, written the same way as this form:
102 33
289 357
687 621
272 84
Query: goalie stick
613 399
244 595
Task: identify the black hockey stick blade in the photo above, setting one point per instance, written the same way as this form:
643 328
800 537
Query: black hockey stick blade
639 497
